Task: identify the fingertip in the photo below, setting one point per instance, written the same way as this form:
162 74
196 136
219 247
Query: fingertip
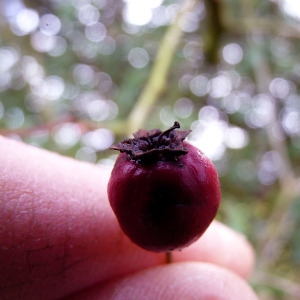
222 246
185 280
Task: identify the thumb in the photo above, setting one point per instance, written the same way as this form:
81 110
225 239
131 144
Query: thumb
186 280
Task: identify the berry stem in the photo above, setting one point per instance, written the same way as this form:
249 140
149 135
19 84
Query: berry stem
169 258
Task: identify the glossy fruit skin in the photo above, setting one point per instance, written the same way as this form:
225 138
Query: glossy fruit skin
165 205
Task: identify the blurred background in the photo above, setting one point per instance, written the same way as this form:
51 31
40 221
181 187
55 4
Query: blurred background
77 76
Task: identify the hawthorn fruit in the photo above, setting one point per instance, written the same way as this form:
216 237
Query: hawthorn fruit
164 191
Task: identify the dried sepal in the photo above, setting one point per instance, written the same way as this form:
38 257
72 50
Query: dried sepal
148 145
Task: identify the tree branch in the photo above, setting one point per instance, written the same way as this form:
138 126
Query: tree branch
158 76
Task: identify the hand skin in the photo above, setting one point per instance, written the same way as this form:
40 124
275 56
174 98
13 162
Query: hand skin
60 239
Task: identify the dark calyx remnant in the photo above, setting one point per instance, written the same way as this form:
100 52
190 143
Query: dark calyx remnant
155 145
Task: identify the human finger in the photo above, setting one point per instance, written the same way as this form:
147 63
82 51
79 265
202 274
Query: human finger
222 246
58 229
185 280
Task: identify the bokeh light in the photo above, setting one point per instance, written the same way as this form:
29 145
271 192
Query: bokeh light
49 24
138 58
50 88
233 53
183 107
95 32
83 74
42 43
220 86
14 118
236 138
88 14
27 20
261 112
139 13
8 57
290 7
100 139
67 135
280 88
199 85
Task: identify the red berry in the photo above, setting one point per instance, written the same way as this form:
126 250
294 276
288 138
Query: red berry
164 191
